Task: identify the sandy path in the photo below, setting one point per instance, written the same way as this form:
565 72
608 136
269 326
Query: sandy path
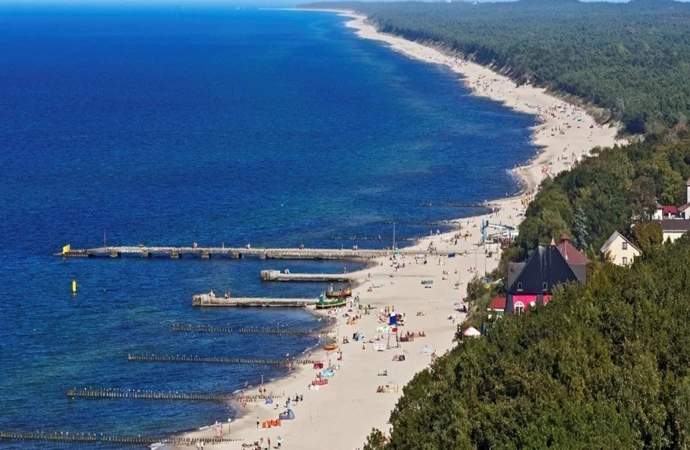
342 414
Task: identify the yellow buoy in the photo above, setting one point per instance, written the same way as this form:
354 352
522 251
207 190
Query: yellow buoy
74 286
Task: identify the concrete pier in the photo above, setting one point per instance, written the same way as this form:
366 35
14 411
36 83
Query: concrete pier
237 253
276 275
248 302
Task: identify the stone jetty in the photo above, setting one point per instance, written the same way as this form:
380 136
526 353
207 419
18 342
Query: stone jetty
250 302
276 275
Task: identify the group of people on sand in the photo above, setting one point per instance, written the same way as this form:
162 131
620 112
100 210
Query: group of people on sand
263 444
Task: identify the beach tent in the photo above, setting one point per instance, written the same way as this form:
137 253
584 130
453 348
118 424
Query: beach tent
471 332
289 415
327 373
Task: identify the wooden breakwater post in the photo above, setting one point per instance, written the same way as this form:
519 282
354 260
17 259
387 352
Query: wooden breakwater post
91 438
135 394
217 360
281 332
182 328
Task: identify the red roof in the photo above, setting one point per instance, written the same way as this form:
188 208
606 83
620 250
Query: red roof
669 210
570 253
498 303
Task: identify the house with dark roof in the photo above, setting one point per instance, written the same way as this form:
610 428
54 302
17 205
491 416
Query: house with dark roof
673 229
532 283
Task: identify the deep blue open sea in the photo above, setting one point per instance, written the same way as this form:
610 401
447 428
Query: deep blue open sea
177 125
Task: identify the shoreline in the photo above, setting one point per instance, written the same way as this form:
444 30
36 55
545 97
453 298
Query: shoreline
345 411
484 82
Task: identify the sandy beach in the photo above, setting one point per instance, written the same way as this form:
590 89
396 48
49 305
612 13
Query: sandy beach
342 413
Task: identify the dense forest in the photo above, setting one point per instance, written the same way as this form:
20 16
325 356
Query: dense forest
607 363
631 59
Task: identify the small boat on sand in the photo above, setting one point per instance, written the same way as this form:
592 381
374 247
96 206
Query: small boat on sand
325 303
343 293
329 347
332 303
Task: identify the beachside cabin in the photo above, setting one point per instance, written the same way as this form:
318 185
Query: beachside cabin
673 229
620 250
532 283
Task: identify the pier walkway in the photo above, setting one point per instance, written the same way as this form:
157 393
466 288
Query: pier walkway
207 300
234 253
276 275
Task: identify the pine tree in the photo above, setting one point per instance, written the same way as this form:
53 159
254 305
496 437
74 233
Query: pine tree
580 228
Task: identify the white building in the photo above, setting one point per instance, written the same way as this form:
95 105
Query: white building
670 212
673 229
620 250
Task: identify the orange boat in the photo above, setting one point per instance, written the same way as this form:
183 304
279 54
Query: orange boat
329 347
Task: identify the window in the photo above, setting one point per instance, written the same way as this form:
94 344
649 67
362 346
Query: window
545 286
625 261
519 287
519 308
625 245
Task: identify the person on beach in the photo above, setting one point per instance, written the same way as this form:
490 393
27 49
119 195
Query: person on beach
257 422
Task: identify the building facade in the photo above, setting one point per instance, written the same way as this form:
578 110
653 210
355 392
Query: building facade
532 283
620 250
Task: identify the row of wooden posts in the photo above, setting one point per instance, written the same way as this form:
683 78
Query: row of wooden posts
218 360
110 393
93 438
183 328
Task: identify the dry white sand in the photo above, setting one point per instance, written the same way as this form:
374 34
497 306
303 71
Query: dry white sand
342 414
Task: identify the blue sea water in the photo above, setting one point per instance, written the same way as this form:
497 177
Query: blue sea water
175 125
